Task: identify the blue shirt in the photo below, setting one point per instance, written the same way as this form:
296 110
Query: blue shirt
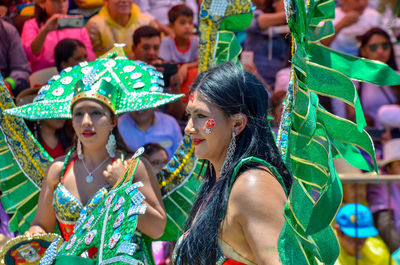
164 131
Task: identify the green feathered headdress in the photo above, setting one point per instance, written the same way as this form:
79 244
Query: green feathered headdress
121 84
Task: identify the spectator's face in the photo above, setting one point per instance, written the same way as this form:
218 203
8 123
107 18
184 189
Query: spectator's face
79 55
147 49
55 7
55 124
159 160
393 168
119 7
351 245
183 27
377 48
142 117
355 5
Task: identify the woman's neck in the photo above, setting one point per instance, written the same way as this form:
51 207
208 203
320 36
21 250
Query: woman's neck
94 157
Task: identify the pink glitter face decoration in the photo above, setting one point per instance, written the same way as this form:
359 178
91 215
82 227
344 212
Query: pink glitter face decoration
191 98
209 124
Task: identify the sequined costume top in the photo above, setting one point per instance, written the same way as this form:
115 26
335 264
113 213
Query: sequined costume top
226 255
68 208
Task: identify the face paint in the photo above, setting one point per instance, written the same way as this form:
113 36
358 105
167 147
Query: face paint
191 97
209 124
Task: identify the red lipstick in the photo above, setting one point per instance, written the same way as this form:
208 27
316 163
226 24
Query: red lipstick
197 141
88 133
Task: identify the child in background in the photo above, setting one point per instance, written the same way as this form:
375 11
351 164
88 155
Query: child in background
356 235
184 47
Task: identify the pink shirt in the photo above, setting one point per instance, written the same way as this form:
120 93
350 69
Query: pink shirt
46 56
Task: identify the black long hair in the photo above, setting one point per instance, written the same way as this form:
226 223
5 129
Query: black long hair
233 90
378 31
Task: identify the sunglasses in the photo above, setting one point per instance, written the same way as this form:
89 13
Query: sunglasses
374 47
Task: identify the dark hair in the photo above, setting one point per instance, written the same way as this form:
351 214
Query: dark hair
40 15
64 50
378 31
63 134
233 90
179 10
152 148
145 32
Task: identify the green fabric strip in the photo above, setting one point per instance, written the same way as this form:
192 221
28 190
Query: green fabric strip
356 68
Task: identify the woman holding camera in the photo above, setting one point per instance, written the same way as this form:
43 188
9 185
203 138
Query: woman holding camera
41 34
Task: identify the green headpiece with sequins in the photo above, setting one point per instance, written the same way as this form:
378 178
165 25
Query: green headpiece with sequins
121 84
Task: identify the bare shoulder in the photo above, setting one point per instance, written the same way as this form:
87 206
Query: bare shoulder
257 189
53 173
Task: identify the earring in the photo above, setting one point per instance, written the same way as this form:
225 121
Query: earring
229 153
79 150
111 145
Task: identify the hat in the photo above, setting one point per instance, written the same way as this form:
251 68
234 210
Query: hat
391 152
121 84
350 214
26 96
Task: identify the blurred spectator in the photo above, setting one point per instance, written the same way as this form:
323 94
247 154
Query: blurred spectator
146 45
184 47
116 23
376 45
159 9
389 116
14 66
41 34
69 52
282 79
356 232
149 126
352 19
277 109
157 156
270 49
384 199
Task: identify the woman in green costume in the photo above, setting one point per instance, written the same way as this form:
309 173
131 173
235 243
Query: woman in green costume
237 217
77 183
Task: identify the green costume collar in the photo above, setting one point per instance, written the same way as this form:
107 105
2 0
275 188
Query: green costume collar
121 84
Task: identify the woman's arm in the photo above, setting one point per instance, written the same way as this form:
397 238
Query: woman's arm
45 219
258 200
38 42
153 222
267 20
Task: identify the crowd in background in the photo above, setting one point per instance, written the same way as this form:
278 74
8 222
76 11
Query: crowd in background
39 39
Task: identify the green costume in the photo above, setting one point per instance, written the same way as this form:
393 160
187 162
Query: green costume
121 84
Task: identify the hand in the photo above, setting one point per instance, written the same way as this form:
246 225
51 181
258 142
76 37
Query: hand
177 79
35 230
115 171
350 18
51 24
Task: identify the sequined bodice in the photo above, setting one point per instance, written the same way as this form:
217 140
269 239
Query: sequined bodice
68 208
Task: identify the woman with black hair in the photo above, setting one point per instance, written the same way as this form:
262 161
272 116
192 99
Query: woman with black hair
237 217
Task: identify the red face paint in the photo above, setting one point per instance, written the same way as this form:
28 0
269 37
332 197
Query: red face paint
191 98
209 124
